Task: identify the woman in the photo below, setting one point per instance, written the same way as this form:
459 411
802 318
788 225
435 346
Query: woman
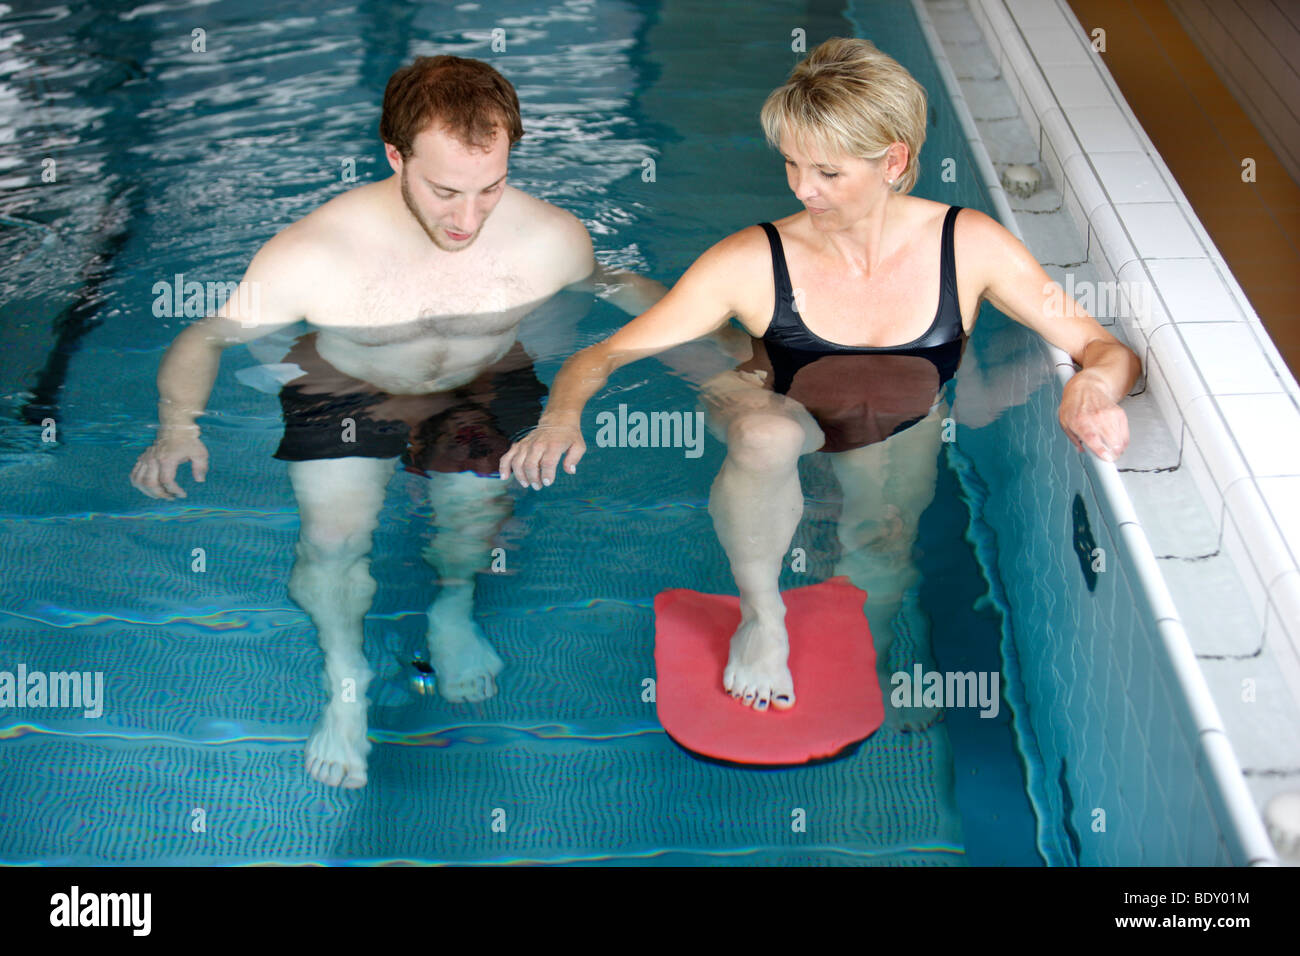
824 293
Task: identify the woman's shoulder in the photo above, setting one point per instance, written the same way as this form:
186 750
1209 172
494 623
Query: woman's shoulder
974 231
927 213
791 224
977 234
740 249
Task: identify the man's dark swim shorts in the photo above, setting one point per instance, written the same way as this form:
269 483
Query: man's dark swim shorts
463 429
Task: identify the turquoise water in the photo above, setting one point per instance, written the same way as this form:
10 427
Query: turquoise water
173 162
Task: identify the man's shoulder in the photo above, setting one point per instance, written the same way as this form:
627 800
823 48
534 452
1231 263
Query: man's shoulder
305 260
543 220
351 213
326 236
555 238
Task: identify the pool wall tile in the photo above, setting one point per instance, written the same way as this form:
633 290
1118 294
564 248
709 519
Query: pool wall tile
1282 500
1269 554
1050 158
1031 13
1159 230
1142 309
1175 523
1181 373
1263 428
1076 85
1083 184
1116 249
1228 357
1193 290
1127 175
1280 627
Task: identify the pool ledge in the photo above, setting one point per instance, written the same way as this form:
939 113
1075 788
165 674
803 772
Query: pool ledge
1212 376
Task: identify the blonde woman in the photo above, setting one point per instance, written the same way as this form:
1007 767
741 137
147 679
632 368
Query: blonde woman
858 307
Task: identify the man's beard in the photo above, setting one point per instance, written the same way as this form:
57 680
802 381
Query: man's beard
431 231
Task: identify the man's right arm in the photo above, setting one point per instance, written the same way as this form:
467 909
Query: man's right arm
271 296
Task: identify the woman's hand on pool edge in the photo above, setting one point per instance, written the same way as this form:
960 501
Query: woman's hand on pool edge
1091 417
533 458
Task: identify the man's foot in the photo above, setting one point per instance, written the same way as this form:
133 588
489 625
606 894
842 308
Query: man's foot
910 720
757 674
465 664
337 748
909 640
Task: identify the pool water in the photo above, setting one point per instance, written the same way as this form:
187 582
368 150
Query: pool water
174 162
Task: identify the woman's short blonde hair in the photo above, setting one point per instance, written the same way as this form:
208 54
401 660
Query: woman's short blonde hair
848 98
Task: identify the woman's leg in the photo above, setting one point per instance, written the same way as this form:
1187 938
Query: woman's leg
887 486
756 503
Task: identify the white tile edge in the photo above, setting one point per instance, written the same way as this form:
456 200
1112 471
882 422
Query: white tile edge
1244 820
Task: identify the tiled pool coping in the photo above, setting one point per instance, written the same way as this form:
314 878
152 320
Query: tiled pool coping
1141 230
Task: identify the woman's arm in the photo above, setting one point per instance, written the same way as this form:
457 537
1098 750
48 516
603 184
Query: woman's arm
698 304
1016 283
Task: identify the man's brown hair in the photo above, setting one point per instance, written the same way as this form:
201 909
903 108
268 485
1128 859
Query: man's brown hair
468 97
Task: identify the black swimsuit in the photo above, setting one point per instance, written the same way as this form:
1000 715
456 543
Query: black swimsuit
860 395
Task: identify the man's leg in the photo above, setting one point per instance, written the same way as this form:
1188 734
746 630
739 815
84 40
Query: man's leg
339 501
468 511
887 487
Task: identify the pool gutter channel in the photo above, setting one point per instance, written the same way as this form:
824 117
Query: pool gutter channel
1243 828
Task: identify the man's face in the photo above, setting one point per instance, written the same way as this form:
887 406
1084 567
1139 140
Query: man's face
451 188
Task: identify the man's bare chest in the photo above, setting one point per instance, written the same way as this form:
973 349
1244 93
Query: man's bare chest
392 306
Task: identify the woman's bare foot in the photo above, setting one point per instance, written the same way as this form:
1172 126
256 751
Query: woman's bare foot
757 673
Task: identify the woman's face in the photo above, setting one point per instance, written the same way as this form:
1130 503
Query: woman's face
836 190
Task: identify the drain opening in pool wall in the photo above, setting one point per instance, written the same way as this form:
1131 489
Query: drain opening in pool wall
1091 558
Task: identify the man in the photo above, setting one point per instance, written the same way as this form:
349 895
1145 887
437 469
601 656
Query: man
415 287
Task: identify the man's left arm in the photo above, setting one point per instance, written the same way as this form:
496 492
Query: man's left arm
620 287
696 361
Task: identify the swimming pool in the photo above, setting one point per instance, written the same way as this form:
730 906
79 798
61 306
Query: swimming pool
183 163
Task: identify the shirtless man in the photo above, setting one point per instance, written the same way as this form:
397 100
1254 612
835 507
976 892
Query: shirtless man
415 287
